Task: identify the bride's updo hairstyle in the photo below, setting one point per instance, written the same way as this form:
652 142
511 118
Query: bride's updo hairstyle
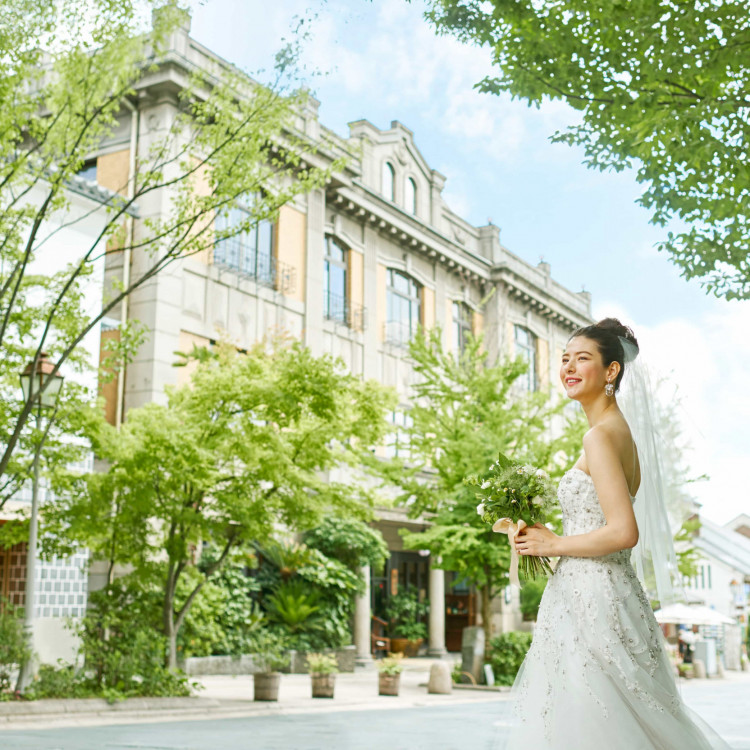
605 334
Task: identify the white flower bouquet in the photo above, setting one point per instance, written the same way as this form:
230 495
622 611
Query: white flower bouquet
513 496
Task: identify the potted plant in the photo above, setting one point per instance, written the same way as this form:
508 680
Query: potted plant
270 657
405 611
389 673
323 669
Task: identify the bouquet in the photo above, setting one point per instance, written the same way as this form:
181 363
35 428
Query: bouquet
513 496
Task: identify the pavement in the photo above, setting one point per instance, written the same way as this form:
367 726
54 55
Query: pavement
221 696
224 715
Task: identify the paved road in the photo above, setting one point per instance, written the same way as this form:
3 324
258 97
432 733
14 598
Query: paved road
469 726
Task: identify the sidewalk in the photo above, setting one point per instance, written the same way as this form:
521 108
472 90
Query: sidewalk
232 696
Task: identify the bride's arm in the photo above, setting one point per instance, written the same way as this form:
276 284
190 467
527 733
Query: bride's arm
621 529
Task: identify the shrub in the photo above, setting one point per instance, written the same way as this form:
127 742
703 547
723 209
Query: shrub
506 654
308 596
224 614
14 643
531 597
124 651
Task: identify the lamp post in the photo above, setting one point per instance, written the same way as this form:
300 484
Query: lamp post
41 388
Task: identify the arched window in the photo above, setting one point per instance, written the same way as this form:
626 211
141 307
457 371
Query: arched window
404 308
389 181
410 196
525 342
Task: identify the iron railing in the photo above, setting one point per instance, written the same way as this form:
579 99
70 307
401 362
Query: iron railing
263 268
398 333
343 310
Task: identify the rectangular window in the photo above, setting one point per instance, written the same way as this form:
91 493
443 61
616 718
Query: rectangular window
403 307
246 247
397 441
525 342
335 302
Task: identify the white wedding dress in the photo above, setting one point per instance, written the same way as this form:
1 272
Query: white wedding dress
597 675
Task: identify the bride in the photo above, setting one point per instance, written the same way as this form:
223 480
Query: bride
597 674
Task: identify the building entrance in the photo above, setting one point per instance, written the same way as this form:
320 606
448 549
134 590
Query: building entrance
402 569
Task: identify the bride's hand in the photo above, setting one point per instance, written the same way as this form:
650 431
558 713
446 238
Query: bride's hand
537 540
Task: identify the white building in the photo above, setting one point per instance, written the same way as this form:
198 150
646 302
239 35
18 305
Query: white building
61 585
350 269
723 581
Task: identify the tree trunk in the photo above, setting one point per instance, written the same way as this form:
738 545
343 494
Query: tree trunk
169 625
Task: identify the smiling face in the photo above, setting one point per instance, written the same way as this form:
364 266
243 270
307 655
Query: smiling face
582 370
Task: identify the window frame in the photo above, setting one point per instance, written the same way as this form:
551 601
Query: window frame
397 443
460 328
410 195
530 380
413 297
342 315
242 247
388 180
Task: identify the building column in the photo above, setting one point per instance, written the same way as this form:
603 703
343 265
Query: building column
362 627
437 611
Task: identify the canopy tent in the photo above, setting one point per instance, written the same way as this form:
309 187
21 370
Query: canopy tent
683 614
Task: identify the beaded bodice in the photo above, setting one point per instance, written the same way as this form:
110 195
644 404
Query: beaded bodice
580 506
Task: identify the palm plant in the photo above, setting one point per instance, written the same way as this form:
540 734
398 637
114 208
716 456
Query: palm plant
294 606
288 557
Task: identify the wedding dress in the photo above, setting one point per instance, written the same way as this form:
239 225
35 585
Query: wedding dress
597 675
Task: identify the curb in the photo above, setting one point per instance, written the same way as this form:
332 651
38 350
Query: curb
74 706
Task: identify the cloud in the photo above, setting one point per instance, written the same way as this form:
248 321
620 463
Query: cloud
706 358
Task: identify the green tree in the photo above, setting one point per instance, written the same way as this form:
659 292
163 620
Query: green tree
661 87
231 456
676 472
68 69
349 540
465 411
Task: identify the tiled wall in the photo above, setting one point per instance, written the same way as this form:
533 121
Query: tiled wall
13 574
61 586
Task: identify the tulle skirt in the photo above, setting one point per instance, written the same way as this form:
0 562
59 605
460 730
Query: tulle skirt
597 675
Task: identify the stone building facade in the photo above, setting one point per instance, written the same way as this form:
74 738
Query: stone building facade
350 269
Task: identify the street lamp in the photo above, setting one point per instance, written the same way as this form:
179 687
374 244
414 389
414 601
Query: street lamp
42 387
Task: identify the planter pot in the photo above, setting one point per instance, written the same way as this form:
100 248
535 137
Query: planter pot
266 686
412 647
322 685
388 684
399 645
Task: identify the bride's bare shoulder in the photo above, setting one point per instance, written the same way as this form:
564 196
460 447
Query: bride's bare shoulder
612 433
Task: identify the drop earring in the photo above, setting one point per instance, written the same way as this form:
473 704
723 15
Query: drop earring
609 389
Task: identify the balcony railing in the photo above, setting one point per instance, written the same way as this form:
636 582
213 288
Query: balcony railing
398 333
263 268
343 310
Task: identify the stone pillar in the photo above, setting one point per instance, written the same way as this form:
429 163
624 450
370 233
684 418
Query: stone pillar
362 623
437 612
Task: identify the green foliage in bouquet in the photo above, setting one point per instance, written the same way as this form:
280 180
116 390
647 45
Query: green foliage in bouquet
516 492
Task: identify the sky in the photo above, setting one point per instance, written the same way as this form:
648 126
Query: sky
380 60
